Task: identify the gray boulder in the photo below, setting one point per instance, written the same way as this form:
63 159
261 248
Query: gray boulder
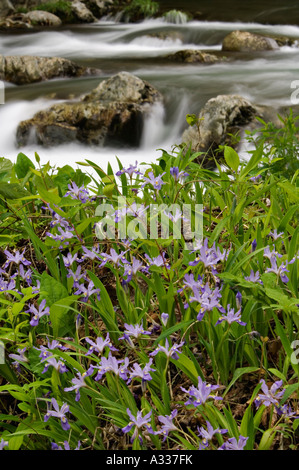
192 56
82 13
6 8
42 18
112 114
22 70
243 41
223 115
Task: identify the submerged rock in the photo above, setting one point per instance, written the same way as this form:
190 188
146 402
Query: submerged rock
223 115
192 56
243 41
22 70
113 113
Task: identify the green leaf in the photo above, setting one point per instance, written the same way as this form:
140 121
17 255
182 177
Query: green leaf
23 165
12 191
232 158
238 373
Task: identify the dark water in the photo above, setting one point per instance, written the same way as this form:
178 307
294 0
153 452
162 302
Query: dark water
264 11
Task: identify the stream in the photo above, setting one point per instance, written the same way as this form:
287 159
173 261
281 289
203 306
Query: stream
263 78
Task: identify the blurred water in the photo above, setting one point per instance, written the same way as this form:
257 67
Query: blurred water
263 78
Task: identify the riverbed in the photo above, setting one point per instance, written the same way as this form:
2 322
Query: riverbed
263 78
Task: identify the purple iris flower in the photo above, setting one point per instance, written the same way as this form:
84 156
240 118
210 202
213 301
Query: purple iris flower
190 282
134 330
177 174
111 364
138 422
66 445
254 277
144 374
276 235
271 254
130 170
164 318
25 275
208 434
278 270
90 254
19 357
255 179
114 257
69 259
18 258
3 444
37 314
58 365
234 444
7 285
132 269
87 291
167 424
270 396
99 345
78 382
201 394
171 352
59 413
231 317
76 276
77 193
158 261
155 181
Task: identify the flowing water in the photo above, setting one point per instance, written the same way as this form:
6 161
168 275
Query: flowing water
263 78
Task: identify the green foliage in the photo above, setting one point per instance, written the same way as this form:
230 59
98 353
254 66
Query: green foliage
246 207
60 8
139 9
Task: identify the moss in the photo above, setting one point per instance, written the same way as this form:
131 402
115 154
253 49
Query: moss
139 9
61 8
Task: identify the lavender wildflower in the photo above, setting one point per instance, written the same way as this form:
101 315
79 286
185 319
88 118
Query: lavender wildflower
156 182
254 277
87 291
38 314
78 382
231 317
78 193
171 352
99 345
3 444
234 444
138 422
59 413
144 374
270 396
167 424
208 434
201 394
58 365
18 258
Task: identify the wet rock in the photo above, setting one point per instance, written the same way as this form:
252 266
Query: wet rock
22 70
42 18
15 22
113 113
223 115
6 8
195 56
243 41
82 13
